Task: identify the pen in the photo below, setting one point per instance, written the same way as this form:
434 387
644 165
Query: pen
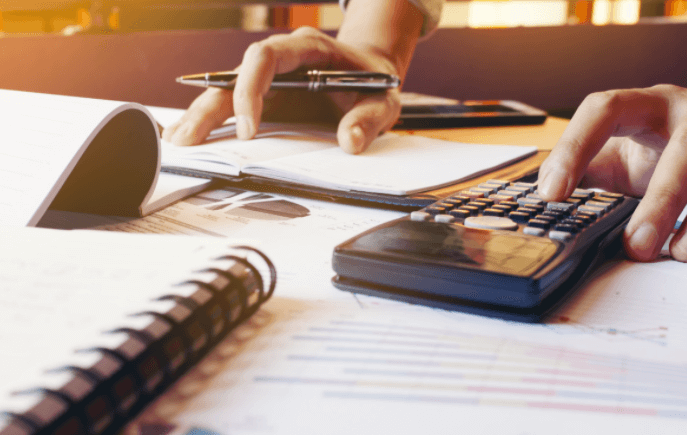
313 80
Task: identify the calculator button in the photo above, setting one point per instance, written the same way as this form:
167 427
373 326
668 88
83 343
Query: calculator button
460 214
501 206
435 209
444 218
604 205
560 235
582 198
530 186
490 223
534 231
485 192
606 199
494 212
539 223
534 196
574 201
516 188
474 211
588 209
471 194
530 201
462 198
502 183
579 223
519 216
512 204
572 229
455 201
560 206
498 198
582 220
549 219
583 193
480 205
555 214
528 211
488 202
446 204
611 195
490 186
585 215
536 208
514 193
419 216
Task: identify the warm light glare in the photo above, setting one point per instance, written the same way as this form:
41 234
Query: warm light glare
675 8
626 11
517 13
83 18
601 12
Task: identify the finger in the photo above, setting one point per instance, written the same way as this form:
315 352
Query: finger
655 216
599 117
207 112
370 115
280 54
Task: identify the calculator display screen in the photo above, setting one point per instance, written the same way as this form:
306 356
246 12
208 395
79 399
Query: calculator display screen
454 245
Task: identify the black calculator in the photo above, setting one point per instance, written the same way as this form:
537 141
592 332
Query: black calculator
497 249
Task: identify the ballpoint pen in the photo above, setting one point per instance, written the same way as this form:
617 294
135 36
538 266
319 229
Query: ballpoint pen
312 80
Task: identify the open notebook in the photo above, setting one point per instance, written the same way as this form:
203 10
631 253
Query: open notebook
81 154
308 155
94 325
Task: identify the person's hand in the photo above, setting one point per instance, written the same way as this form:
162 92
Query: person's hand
361 116
633 142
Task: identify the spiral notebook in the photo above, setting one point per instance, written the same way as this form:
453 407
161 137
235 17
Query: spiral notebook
95 325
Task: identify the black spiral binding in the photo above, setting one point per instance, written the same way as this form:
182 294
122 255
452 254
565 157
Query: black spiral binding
101 399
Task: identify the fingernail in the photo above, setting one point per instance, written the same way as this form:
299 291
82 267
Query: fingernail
644 239
554 183
357 139
244 127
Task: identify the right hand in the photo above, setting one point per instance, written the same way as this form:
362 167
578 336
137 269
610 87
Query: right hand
360 116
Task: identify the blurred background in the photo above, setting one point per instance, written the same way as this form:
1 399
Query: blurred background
548 53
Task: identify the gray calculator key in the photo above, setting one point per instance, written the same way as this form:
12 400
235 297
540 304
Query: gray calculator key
598 211
483 191
502 183
561 206
604 205
490 223
444 218
530 201
584 192
559 235
533 231
490 186
419 216
514 193
529 186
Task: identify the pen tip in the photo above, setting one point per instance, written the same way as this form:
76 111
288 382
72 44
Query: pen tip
179 79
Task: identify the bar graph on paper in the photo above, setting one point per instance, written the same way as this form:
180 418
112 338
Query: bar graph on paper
357 360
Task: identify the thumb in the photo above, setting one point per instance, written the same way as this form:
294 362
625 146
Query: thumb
370 115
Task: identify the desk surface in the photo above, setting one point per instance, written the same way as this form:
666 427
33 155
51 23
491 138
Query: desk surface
542 136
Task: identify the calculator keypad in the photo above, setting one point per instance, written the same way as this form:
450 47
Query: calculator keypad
502 205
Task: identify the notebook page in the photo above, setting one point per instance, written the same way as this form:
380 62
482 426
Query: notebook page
60 291
228 156
41 138
393 164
